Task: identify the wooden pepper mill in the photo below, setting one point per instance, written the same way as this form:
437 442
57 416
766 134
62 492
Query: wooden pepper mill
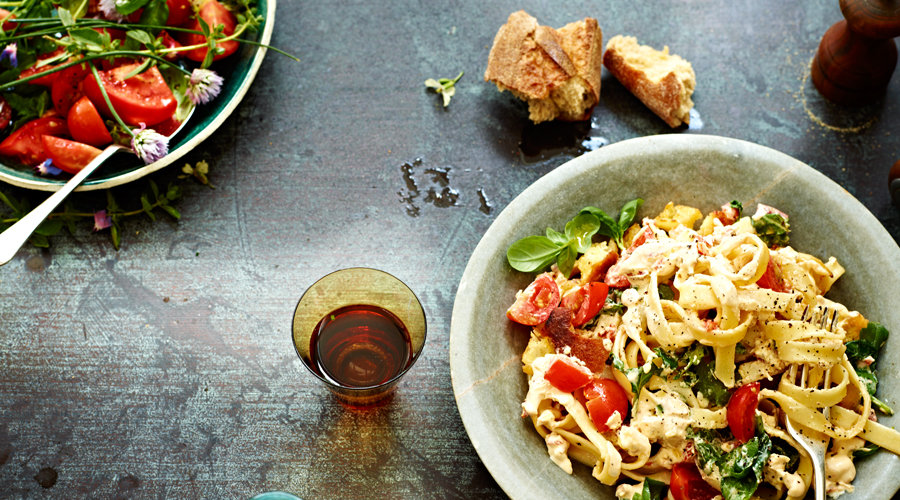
857 55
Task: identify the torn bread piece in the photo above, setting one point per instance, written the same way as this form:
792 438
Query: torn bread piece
557 72
663 82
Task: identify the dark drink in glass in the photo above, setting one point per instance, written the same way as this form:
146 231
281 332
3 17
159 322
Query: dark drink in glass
360 346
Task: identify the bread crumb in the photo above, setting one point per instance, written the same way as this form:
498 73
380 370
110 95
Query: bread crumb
663 82
557 72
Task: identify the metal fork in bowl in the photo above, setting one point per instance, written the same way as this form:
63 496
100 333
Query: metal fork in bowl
814 443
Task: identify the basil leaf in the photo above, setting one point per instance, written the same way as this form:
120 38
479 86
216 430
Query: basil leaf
156 13
141 36
532 253
126 7
868 451
773 229
874 333
628 212
556 237
581 229
665 292
566 260
653 490
608 226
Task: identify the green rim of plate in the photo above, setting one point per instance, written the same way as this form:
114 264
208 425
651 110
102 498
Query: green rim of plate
239 71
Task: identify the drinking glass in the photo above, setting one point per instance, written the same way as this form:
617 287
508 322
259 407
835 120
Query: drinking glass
358 331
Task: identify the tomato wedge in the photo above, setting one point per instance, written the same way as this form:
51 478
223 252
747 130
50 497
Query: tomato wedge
69 156
605 397
214 14
586 302
67 88
46 80
741 412
567 376
688 484
533 306
25 146
772 278
170 43
85 124
179 12
143 98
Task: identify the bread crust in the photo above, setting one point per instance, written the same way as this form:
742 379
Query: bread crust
556 71
669 97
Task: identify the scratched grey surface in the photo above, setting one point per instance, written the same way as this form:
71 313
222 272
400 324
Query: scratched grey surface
165 369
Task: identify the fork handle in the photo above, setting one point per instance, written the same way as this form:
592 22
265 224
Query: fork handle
13 238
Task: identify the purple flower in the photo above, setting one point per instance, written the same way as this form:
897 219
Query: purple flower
10 53
47 168
108 8
204 86
149 145
101 221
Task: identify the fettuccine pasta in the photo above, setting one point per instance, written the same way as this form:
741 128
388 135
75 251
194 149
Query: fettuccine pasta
703 343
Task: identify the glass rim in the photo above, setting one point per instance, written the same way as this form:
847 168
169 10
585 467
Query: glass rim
387 383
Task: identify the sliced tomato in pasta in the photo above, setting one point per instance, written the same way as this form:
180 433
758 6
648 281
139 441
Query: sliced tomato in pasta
605 398
688 484
534 304
585 302
567 376
741 412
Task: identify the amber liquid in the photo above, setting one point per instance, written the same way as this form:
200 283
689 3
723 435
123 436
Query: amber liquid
360 346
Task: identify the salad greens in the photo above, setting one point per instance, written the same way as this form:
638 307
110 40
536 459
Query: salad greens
653 490
533 253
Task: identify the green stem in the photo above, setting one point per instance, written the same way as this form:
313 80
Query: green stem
93 57
108 103
81 214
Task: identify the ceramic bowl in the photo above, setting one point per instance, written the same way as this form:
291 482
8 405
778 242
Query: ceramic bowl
701 171
238 69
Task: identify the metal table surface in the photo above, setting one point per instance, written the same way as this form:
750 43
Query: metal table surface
165 369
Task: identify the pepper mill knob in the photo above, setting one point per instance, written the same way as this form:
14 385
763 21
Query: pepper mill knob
894 183
857 55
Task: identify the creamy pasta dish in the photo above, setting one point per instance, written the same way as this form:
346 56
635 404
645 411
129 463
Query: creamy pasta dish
668 359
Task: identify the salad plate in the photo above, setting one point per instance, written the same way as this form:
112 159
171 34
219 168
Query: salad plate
700 171
239 70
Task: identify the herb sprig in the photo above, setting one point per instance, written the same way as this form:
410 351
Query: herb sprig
533 253
871 340
444 86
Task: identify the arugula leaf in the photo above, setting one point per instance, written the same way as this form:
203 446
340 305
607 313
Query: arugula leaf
737 206
871 339
653 490
665 292
741 469
668 362
867 451
782 447
773 229
637 376
711 387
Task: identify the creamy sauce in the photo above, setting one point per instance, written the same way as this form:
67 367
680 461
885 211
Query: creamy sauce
557 447
839 468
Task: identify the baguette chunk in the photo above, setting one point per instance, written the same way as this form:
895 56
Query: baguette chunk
557 72
663 82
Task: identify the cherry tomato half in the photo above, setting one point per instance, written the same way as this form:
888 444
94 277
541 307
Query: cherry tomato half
741 412
170 43
25 144
143 98
586 302
67 88
567 376
179 12
533 306
214 14
688 484
605 397
69 156
85 124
